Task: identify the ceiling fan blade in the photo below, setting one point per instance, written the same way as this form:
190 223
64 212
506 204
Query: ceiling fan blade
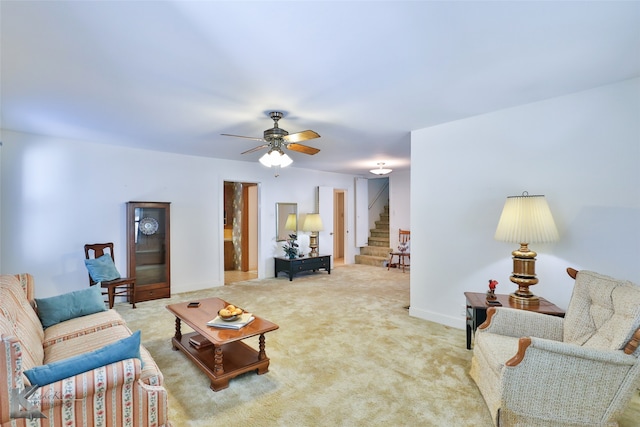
240 136
301 136
302 149
259 147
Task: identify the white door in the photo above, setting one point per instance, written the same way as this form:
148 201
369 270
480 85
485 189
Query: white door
362 212
325 209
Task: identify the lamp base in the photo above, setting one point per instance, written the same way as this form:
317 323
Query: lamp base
524 275
516 299
313 244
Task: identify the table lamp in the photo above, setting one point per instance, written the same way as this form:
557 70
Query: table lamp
313 223
292 223
525 219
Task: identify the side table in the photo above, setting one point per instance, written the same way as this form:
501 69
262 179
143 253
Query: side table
477 310
296 265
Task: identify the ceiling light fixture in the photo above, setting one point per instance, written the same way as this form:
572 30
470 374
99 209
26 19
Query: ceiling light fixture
381 170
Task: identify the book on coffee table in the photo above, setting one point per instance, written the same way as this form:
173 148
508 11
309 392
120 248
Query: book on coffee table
199 342
243 320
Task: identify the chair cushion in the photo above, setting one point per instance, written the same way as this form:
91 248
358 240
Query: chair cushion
126 348
102 269
603 312
70 305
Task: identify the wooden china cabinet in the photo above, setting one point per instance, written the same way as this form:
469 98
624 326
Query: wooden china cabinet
148 249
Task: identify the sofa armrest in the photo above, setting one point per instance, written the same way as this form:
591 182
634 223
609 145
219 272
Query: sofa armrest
594 382
94 394
99 392
518 323
96 381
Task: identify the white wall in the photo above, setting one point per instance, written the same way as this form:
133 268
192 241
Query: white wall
56 195
582 151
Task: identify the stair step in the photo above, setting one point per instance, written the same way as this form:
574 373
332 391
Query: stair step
384 225
380 251
371 260
379 241
379 233
377 253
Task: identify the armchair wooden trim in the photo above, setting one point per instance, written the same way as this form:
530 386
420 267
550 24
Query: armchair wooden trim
523 344
633 343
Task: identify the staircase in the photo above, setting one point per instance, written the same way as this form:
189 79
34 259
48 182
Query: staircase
377 252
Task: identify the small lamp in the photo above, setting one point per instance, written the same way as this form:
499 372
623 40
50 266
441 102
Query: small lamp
313 223
525 219
292 223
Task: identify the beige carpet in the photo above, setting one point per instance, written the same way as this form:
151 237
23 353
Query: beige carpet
346 354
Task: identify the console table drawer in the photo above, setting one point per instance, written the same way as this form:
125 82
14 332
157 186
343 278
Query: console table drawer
310 263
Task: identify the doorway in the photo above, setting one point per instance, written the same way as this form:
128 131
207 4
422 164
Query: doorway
339 227
240 231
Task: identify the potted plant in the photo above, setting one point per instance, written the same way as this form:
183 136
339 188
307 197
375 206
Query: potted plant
291 248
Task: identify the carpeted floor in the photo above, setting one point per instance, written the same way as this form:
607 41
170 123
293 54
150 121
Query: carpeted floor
346 354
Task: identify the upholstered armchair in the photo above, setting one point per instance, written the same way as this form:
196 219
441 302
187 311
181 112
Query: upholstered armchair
539 370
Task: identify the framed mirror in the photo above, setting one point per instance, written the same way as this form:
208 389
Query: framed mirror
286 220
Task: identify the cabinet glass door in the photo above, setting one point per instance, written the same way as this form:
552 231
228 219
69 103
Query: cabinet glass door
150 249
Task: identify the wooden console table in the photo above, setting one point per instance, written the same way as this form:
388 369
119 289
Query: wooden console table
477 310
296 265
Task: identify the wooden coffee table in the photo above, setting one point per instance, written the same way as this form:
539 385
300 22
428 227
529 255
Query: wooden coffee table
221 355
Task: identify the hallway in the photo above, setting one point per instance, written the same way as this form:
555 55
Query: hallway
233 276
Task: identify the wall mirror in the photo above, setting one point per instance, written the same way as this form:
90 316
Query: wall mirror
286 220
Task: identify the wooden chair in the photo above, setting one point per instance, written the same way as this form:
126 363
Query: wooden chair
124 286
404 236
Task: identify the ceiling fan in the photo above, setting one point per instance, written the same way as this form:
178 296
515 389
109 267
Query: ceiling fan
276 139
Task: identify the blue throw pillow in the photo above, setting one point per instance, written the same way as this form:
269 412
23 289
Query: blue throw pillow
69 306
102 268
126 348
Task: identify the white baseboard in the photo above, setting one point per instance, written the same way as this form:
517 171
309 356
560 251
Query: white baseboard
454 322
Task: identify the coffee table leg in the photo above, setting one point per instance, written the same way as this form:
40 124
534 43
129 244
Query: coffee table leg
218 368
178 334
261 354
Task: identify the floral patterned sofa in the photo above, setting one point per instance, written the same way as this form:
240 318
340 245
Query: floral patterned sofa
127 392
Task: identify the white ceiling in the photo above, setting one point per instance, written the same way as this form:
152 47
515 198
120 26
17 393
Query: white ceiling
174 75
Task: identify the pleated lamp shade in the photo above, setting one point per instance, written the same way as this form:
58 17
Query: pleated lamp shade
526 219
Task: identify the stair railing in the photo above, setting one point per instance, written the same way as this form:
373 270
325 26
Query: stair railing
384 187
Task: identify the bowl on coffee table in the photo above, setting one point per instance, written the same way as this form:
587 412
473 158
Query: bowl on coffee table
230 313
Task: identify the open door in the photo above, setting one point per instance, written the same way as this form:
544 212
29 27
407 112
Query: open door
249 250
240 231
339 226
325 209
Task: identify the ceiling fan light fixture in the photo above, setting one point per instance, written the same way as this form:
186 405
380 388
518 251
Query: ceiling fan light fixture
275 158
381 170
285 160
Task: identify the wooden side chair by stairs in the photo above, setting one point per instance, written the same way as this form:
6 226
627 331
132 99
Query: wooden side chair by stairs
404 237
120 286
